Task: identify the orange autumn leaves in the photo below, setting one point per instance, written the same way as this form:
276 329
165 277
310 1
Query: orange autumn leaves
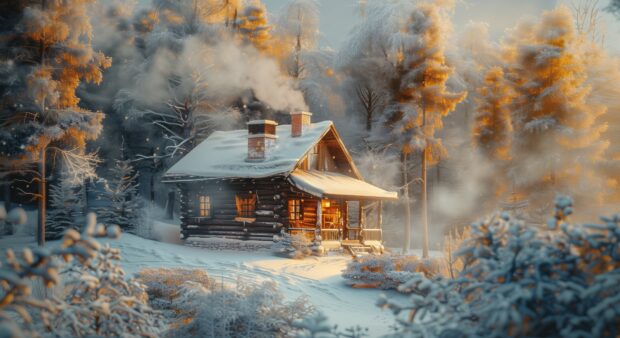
535 117
61 33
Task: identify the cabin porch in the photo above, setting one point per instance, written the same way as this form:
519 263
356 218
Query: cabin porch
352 224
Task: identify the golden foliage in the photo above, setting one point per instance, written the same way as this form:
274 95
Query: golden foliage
254 26
424 69
493 126
62 35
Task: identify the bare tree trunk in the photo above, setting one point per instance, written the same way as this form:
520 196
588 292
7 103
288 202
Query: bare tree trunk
424 205
407 240
42 200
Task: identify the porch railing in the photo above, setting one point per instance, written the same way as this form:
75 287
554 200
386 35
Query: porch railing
330 234
306 232
371 234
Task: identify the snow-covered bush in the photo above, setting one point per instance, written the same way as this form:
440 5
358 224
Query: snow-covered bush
295 246
562 279
316 325
163 285
244 311
101 301
98 300
66 208
8 221
389 271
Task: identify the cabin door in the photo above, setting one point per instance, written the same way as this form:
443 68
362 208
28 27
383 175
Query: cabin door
332 220
352 220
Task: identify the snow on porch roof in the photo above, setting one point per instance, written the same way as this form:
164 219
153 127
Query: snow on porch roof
330 184
224 153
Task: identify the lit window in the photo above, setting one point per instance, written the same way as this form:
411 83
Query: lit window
246 205
205 206
294 210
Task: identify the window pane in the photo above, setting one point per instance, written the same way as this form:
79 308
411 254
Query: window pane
205 206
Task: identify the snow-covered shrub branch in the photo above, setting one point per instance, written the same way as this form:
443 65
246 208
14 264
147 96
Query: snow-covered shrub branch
523 280
244 311
296 246
317 326
164 285
389 271
98 301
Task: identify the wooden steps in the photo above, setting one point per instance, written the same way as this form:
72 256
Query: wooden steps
356 248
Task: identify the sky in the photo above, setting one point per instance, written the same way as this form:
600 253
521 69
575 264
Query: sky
338 17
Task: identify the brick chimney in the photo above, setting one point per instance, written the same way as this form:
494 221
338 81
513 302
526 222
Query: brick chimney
261 138
300 120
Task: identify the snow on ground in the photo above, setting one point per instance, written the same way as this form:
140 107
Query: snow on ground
318 278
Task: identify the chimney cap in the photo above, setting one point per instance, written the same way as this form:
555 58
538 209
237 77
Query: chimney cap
300 112
272 122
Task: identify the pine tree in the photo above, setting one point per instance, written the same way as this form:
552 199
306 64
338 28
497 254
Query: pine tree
556 125
66 208
420 98
492 132
51 54
121 192
254 27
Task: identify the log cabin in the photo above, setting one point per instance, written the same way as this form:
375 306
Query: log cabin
299 178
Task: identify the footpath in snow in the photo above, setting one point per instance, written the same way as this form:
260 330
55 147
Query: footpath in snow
317 278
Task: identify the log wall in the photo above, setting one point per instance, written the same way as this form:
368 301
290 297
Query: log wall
271 214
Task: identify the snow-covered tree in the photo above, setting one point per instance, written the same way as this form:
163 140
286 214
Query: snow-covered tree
298 28
419 98
614 7
557 127
50 54
121 192
254 27
519 280
493 125
66 208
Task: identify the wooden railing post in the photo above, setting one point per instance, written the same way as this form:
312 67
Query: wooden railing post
319 220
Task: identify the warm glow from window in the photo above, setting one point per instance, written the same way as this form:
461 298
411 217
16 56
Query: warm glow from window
246 205
205 206
326 203
294 210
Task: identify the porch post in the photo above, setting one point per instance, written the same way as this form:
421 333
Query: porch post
317 248
319 220
379 216
360 217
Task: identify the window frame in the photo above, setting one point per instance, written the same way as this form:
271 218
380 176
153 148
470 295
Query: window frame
204 206
295 210
246 205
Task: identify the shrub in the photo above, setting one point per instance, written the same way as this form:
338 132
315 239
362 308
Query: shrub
244 311
164 285
388 271
561 279
295 246
98 301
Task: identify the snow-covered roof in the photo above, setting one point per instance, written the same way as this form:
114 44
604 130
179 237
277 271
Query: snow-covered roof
224 153
331 184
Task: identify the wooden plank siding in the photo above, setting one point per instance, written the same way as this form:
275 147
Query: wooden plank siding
270 216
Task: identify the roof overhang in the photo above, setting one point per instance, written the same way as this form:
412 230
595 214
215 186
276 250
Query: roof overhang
325 184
